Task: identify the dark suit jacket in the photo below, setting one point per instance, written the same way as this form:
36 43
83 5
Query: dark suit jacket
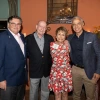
91 53
12 60
39 64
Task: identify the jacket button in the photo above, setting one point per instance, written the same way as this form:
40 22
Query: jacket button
42 56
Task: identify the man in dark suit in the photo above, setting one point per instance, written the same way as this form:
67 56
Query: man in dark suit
12 61
85 56
38 52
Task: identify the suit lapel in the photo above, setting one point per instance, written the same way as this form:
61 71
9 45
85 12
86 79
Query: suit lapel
45 41
12 38
14 41
85 43
22 38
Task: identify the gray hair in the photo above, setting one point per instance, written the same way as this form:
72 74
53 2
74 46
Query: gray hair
79 18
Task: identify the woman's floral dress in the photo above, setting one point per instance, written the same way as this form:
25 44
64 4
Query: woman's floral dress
60 76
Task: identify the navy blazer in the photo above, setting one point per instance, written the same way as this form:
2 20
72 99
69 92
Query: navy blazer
91 53
12 60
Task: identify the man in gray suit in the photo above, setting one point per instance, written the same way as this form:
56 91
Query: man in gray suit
85 57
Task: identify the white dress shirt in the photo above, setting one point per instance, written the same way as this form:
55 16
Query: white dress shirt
19 40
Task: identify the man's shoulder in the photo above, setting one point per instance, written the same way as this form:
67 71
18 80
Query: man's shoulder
3 34
89 34
29 36
48 36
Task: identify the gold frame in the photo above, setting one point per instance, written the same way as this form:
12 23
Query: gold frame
61 11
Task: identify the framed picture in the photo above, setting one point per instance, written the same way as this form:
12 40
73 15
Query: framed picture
61 11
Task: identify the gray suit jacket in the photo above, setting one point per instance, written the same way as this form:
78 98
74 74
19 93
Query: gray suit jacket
91 53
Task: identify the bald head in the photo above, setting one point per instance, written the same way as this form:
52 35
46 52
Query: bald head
41 28
41 22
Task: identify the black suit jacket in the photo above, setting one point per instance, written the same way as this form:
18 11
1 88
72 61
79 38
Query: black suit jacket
39 64
91 53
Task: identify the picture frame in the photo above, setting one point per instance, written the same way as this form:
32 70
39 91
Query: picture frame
61 11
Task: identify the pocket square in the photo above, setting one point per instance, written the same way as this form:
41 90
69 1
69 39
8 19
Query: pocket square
89 42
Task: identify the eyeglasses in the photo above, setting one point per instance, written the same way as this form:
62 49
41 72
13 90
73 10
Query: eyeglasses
15 24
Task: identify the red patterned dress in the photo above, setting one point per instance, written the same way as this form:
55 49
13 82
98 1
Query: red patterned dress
60 75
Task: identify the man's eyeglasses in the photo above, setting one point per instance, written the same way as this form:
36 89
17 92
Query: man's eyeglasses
15 24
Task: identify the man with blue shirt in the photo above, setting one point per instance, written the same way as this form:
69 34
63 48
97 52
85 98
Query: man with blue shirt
85 57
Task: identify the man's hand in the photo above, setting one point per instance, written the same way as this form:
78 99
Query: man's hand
96 77
3 85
